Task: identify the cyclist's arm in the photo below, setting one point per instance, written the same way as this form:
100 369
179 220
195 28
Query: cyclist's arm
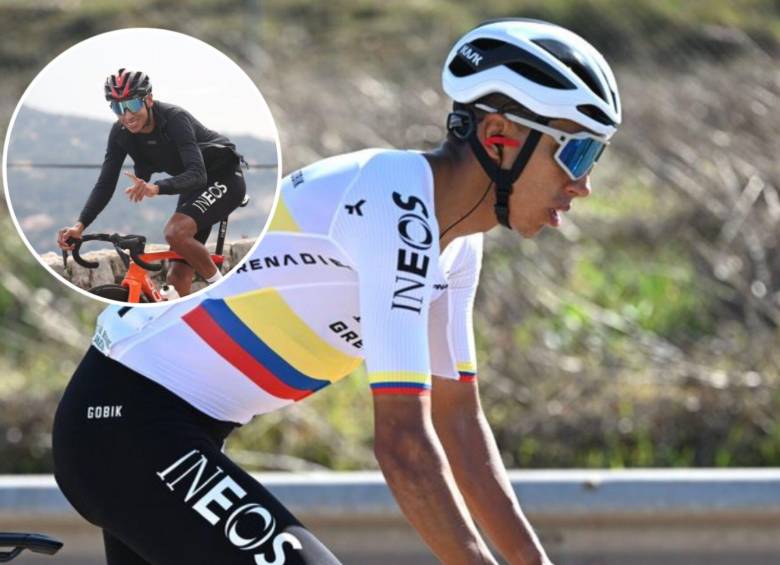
459 421
182 133
416 469
480 473
142 172
106 184
397 263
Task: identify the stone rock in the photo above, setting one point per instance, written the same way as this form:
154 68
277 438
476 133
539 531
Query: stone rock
111 270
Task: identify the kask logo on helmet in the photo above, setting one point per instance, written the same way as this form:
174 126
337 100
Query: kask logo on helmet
471 55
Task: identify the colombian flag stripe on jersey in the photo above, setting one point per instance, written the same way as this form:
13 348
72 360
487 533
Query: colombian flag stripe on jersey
268 315
467 372
218 326
399 382
414 389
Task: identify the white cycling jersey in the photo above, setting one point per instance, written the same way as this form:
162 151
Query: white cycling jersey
350 270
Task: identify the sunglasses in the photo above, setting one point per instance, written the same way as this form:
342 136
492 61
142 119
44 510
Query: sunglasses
134 105
577 152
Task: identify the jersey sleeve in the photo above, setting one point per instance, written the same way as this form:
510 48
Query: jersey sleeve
181 131
388 228
142 171
109 175
452 316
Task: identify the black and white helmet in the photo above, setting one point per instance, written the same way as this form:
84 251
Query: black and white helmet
550 70
127 84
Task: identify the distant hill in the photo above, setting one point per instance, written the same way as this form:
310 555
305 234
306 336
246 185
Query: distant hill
45 199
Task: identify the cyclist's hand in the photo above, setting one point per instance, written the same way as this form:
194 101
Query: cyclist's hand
65 234
140 189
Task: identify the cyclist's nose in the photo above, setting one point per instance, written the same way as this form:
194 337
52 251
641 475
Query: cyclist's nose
579 188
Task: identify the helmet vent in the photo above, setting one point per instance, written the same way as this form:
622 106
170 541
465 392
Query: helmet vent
524 63
459 68
535 75
577 63
486 44
595 113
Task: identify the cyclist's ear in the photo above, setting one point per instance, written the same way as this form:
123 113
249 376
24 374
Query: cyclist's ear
149 100
493 126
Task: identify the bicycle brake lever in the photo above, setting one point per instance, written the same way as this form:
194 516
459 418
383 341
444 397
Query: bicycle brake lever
122 255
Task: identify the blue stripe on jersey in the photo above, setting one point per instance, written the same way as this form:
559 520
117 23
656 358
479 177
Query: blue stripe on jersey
254 346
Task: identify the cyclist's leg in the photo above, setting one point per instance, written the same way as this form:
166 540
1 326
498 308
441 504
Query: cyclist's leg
148 468
180 273
225 191
117 553
198 211
180 276
234 519
180 234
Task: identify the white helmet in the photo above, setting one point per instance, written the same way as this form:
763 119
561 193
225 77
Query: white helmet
548 69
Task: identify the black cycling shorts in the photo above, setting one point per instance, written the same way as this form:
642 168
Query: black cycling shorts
147 468
224 192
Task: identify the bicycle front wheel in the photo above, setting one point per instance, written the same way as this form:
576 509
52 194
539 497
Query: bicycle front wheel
114 292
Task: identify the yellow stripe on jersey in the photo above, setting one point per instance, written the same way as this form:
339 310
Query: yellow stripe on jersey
283 220
267 315
399 382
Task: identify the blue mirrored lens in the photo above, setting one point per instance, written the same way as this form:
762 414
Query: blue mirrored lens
133 105
579 155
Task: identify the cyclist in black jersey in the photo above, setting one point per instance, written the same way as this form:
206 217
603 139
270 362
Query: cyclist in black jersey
205 170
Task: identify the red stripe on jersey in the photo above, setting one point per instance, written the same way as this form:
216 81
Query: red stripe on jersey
210 332
467 377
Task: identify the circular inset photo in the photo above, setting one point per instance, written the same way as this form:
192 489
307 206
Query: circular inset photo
141 166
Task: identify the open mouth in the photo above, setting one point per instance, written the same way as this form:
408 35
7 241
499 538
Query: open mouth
556 215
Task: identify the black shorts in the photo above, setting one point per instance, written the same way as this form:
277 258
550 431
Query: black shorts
224 192
148 468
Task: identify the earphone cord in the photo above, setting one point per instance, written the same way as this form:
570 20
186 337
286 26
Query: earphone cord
484 194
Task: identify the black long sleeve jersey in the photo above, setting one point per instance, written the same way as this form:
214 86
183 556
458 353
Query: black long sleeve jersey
179 145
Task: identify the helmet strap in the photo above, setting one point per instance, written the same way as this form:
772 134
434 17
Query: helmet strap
149 117
505 178
464 121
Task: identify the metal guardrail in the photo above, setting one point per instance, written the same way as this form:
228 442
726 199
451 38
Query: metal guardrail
631 517
554 494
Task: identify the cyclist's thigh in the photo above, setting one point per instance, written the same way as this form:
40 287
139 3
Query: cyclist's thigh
188 503
203 234
224 192
117 553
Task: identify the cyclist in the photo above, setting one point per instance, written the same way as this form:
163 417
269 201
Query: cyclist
159 137
372 256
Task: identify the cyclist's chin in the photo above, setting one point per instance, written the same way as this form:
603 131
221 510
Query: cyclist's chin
527 230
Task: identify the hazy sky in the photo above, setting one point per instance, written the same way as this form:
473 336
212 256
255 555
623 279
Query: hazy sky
184 71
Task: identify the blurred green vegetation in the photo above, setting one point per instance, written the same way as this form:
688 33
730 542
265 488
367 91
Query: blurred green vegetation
610 343
660 295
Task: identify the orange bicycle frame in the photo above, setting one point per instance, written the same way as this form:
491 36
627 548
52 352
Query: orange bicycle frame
137 279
